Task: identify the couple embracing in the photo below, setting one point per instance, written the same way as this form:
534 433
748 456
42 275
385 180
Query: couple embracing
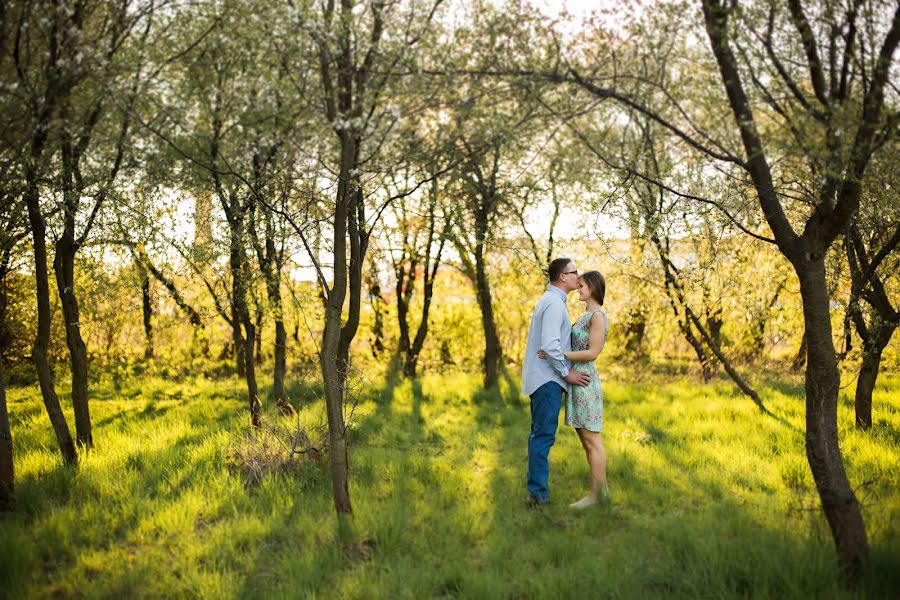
559 358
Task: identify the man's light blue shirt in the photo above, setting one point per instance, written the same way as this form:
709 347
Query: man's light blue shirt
550 331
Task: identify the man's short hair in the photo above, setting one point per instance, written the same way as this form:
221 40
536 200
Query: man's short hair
557 267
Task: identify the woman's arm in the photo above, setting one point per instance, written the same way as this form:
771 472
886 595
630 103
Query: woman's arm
596 340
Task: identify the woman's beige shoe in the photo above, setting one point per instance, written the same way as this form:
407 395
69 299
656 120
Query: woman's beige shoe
583 503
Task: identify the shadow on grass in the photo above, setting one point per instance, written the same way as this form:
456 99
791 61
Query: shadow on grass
441 512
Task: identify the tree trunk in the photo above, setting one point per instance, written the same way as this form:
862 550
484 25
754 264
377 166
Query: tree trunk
250 370
147 306
865 383
875 335
493 354
378 324
42 339
199 330
7 473
237 340
412 358
635 332
330 359
273 284
839 503
729 368
702 356
677 300
259 327
244 344
64 267
868 373
403 291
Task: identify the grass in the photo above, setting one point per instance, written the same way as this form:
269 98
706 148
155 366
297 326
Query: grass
711 499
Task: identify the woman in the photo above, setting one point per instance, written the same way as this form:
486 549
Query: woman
584 405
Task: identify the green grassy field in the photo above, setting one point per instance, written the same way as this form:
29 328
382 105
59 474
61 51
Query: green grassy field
711 499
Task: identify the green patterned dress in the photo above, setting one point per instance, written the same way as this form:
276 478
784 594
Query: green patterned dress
584 405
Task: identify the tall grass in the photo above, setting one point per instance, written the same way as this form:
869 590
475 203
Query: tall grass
711 499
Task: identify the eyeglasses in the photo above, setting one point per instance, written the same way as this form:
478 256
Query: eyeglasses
570 272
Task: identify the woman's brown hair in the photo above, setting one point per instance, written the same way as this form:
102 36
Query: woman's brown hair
595 282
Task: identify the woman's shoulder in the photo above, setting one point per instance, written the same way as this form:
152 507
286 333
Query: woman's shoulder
598 311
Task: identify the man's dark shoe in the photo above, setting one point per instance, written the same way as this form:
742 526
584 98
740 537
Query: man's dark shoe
533 502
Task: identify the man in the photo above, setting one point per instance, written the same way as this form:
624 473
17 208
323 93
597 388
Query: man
544 381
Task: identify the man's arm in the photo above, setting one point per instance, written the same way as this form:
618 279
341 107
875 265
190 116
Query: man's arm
551 322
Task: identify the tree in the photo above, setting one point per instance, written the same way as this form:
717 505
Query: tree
870 240
843 99
817 100
355 82
11 234
422 233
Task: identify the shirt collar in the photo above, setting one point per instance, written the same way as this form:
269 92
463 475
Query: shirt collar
561 294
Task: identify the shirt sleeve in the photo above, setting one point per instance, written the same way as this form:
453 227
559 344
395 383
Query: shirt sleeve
551 324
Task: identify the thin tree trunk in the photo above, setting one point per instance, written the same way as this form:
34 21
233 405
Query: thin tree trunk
429 273
259 337
677 301
412 359
237 340
839 503
493 354
702 357
729 368
403 292
199 329
273 285
250 369
7 473
331 363
42 339
64 267
875 335
244 344
147 310
377 308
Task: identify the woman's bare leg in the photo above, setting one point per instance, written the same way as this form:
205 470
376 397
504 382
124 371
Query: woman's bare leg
596 457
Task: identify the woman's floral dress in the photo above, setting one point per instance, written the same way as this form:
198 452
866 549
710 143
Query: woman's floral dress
584 405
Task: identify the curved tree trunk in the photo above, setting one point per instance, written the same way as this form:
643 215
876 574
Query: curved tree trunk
199 329
839 503
42 339
429 273
64 267
677 300
412 358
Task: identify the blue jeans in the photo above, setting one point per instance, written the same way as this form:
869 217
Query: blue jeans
545 404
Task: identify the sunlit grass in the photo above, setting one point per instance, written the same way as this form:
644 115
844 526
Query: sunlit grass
711 498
